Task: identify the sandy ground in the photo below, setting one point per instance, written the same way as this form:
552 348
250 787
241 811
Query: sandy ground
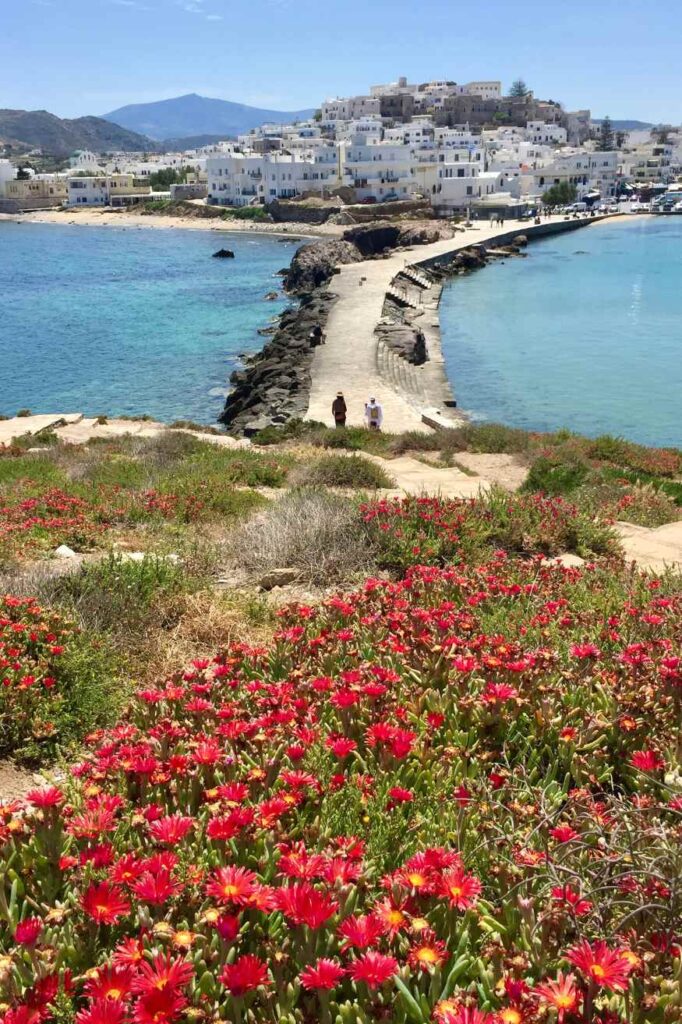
110 218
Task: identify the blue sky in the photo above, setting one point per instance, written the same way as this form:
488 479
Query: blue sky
620 57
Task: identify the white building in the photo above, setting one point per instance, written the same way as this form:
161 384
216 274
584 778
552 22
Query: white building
104 190
586 170
350 108
378 171
547 134
247 179
85 160
8 172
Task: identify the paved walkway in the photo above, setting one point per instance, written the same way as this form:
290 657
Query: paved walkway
348 360
655 549
74 428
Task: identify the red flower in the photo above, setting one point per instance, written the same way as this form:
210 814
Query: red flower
27 931
110 983
303 904
245 974
373 968
102 1011
571 899
462 890
324 974
163 973
361 932
104 903
647 761
159 1006
448 1012
48 796
562 994
156 889
563 833
233 885
428 953
606 967
171 830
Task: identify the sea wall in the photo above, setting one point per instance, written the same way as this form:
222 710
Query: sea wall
274 384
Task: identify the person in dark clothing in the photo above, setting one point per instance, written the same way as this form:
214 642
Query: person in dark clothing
339 410
316 336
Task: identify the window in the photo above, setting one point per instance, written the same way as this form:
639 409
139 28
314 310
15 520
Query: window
470 190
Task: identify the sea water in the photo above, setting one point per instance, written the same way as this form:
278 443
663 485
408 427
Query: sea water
586 333
127 321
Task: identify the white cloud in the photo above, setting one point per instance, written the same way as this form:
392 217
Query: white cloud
214 17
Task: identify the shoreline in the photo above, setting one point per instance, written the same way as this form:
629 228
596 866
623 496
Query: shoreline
107 218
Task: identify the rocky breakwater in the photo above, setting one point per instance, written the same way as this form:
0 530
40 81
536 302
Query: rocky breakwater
274 385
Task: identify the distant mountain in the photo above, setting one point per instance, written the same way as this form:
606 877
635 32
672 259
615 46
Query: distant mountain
192 142
38 129
625 126
194 115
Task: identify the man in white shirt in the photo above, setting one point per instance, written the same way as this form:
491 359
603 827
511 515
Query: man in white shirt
374 414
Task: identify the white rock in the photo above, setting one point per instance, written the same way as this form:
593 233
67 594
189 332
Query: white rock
65 552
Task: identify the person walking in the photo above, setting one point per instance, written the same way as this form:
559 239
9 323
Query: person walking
374 414
339 410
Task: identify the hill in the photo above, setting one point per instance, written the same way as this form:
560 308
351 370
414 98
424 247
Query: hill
194 115
626 126
38 129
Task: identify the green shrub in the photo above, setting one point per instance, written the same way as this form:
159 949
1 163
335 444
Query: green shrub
119 597
550 477
257 213
294 430
343 471
494 438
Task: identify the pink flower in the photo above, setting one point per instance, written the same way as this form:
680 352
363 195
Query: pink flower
324 974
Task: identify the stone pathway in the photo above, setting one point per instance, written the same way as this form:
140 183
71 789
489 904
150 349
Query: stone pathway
77 429
654 549
415 477
348 360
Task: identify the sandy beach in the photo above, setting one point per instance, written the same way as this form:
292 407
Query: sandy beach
113 218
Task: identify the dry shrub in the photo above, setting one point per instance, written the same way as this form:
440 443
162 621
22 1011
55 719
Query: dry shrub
209 621
320 534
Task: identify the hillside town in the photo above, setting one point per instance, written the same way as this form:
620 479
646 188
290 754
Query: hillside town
459 149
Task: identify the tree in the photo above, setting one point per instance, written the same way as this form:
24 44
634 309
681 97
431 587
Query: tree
519 89
605 136
22 174
168 176
560 195
620 139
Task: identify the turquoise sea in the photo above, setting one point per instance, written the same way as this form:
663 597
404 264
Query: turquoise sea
585 333
129 321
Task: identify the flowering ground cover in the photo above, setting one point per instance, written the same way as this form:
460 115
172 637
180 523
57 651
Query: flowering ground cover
55 684
81 496
451 797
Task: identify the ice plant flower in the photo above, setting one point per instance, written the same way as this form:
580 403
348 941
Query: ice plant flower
27 931
600 964
232 885
563 994
247 973
104 903
375 969
461 889
647 761
323 974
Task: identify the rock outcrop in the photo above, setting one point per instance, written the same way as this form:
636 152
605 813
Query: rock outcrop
223 254
316 263
275 385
